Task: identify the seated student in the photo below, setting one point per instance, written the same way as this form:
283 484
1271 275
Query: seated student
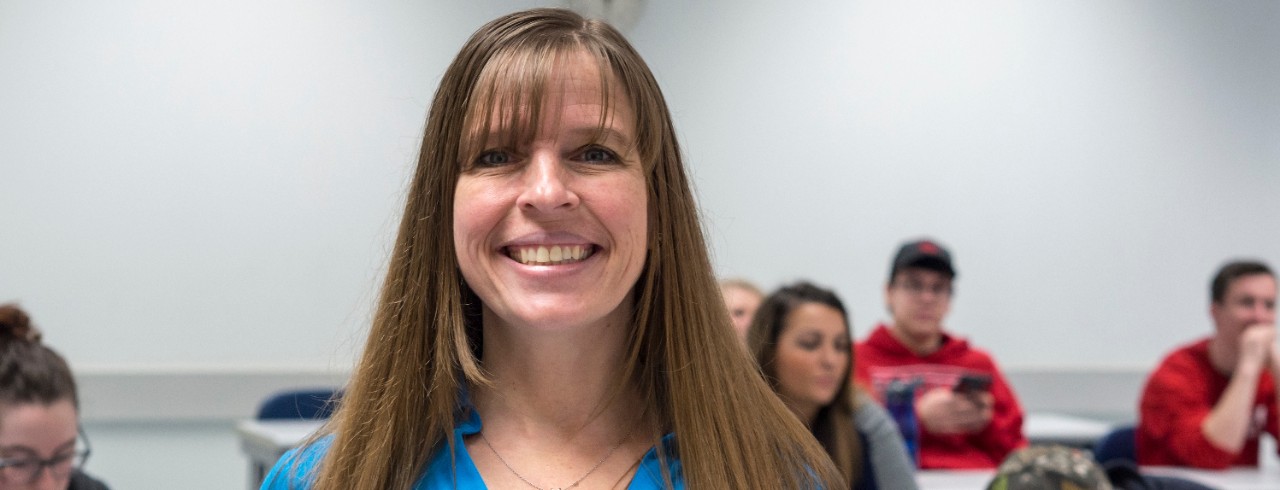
39 413
959 428
800 338
1209 400
742 298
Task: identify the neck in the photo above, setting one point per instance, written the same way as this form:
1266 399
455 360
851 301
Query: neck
920 345
1222 355
556 380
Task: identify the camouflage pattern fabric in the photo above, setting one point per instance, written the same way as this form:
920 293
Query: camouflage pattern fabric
1049 468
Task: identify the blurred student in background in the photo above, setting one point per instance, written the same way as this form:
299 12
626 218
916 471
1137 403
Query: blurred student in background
742 299
800 337
968 416
1209 400
41 444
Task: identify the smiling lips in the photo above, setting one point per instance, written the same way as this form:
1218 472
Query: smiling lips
553 255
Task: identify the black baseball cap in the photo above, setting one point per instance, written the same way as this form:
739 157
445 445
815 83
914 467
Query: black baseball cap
925 254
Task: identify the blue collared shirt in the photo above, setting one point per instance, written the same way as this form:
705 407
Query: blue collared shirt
293 470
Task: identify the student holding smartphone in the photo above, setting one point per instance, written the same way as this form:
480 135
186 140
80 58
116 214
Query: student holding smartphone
968 416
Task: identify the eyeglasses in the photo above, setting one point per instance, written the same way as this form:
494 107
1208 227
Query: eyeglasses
27 469
916 288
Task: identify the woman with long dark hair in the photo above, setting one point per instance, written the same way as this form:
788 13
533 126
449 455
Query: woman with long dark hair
550 317
800 337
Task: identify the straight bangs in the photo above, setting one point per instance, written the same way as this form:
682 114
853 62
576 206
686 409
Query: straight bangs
506 105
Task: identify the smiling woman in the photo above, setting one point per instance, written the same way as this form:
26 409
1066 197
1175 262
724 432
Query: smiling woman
572 182
41 446
550 318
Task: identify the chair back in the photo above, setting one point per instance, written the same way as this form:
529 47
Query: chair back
315 404
1120 443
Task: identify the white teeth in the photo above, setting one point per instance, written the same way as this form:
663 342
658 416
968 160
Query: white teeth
556 254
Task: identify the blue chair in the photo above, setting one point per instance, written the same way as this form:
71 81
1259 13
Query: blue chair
1120 443
316 404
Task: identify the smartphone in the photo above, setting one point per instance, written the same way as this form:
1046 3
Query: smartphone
972 383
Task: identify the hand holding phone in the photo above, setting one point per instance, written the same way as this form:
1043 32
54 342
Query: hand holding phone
972 383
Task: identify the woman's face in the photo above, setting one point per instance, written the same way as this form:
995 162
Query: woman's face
552 236
33 433
742 304
813 357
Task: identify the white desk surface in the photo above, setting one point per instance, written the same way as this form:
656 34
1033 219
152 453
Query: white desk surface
1263 478
1044 428
264 441
271 438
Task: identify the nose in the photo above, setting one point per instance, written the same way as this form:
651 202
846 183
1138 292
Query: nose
547 184
830 358
46 480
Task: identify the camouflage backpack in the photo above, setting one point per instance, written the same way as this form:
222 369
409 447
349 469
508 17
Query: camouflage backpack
1049 468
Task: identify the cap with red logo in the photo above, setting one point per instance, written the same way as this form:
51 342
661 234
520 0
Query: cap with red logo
925 254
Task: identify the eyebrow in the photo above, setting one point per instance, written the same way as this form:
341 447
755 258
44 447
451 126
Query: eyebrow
606 134
596 132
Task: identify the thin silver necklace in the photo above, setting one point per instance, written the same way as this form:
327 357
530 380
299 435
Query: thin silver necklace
571 485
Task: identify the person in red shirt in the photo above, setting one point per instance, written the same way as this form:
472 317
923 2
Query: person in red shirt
1208 401
960 425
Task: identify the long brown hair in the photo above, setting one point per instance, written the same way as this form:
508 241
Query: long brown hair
833 424
682 357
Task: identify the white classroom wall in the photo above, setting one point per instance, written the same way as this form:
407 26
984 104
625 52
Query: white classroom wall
210 189
217 185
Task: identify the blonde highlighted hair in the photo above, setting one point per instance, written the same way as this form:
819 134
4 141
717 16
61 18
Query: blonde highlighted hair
424 345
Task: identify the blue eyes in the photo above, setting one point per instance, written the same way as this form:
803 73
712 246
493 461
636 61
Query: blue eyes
591 154
493 158
597 154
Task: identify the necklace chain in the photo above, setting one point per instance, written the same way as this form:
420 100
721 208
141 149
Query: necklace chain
571 485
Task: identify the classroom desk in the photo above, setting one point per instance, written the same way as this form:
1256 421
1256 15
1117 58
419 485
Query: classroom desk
1068 430
1263 478
264 441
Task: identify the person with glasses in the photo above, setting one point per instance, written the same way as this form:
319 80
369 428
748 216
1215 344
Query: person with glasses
967 415
41 444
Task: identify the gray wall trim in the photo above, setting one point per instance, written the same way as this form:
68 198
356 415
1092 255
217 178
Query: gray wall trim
206 395
1109 394
188 395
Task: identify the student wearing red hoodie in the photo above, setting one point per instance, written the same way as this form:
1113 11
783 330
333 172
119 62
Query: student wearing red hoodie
960 427
1209 400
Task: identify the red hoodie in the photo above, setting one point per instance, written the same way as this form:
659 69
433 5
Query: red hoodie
1178 397
880 358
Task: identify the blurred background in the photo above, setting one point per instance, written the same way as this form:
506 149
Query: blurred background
199 198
